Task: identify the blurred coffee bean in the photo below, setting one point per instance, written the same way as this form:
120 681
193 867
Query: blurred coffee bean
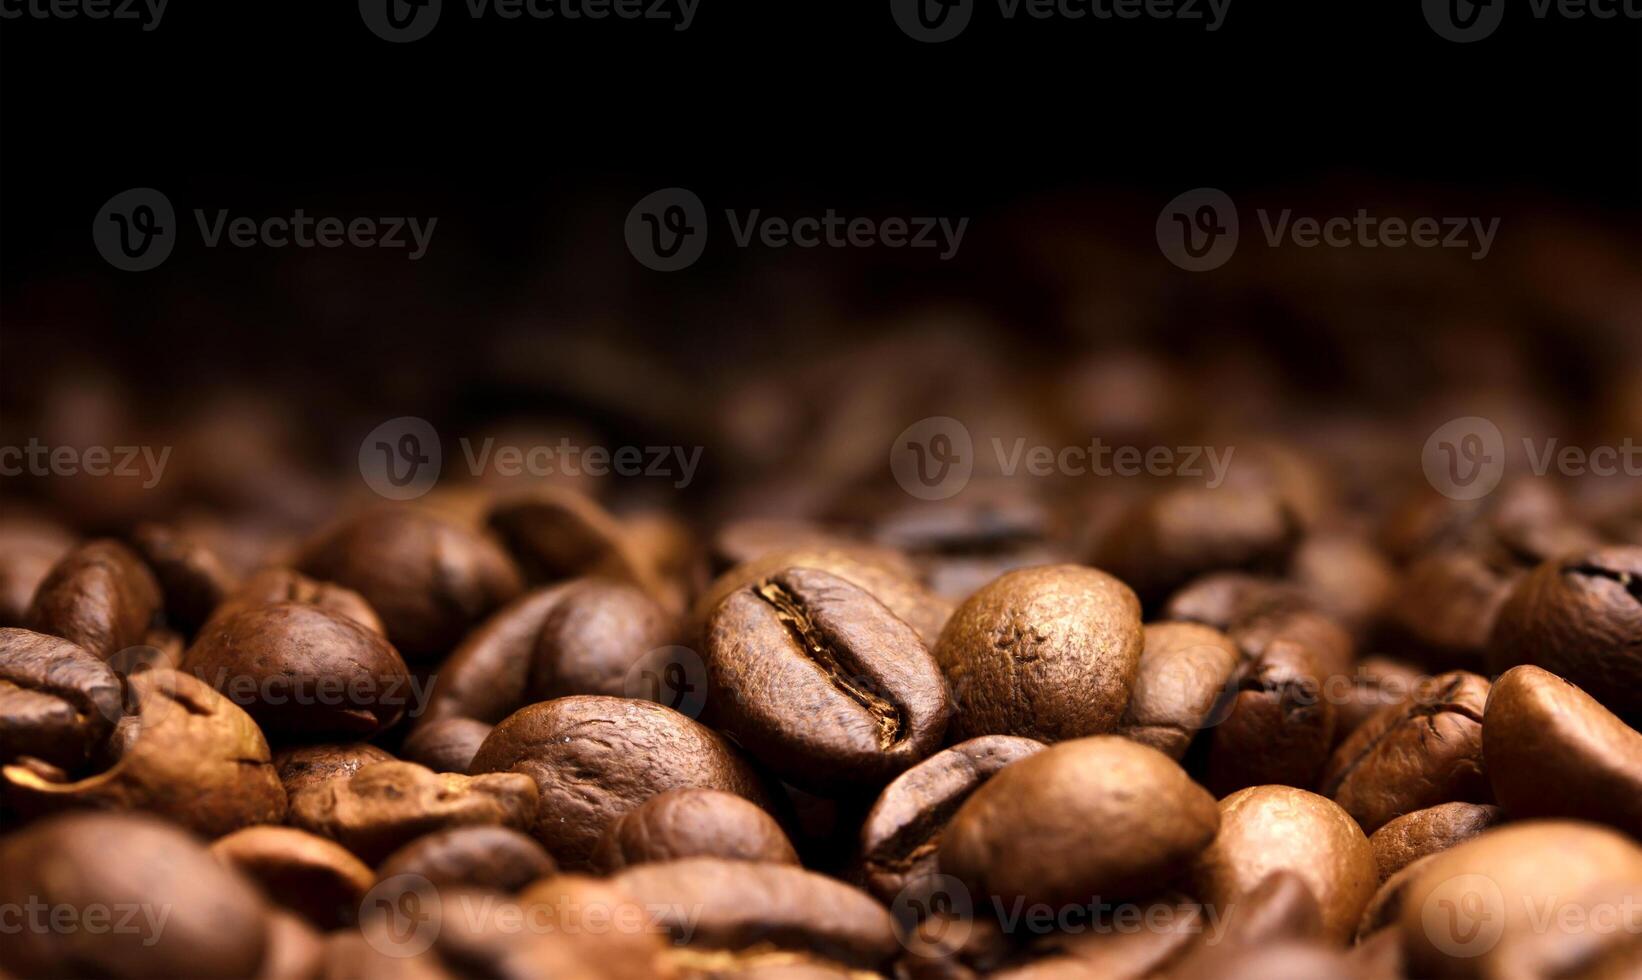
903 830
557 534
1277 726
591 638
1185 670
1048 653
1220 599
1345 576
1019 836
268 586
595 758
485 677
428 580
300 766
689 823
477 856
1414 755
750 539
1445 605
446 745
314 877
1579 617
29 548
1180 533
1375 683
58 703
1408 838
1555 751
821 682
302 671
192 577
293 951
181 914
1281 961
1265 829
100 595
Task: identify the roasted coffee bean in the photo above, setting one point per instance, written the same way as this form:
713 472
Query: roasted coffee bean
1555 751
903 830
614 932
314 877
192 577
100 596
821 682
558 534
1445 605
486 676
1171 927
1277 726
1595 938
1414 755
428 580
595 758
1345 576
1220 599
1022 834
1579 617
1185 670
1265 829
1263 625
1469 903
302 765
58 703
446 745
293 951
750 539
299 670
183 752
885 579
385 805
1375 683
1415 835
181 913
480 856
269 586
1049 653
29 547
718 904
1279 961
1386 907
1280 909
687 823
1177 534
593 636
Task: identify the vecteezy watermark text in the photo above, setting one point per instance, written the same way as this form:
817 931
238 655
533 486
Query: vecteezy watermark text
148 12
401 21
1464 21
37 459
35 915
933 21
1465 458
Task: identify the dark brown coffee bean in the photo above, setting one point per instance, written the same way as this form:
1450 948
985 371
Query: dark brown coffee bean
1414 835
299 670
1020 835
269 586
1463 911
1376 682
1279 961
1446 603
485 677
100 596
1265 624
1555 751
595 758
1178 534
183 913
612 933
1185 671
446 745
1277 726
1279 828
1280 909
1414 755
1048 653
1386 907
29 547
1579 617
428 580
821 682
593 636
750 539
1595 938
317 878
1171 926
718 904
58 703
1346 577
184 752
558 534
903 830
294 950
1221 599
489 857
687 823
192 577
301 765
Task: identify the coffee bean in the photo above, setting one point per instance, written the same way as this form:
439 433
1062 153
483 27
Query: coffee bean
614 934
303 765
293 951
1280 909
1277 725
385 805
269 586
903 830
58 703
1179 533
750 539
1386 907
1220 599
428 580
314 877
478 856
1280 961
183 914
1048 653
1375 683
592 636
1579 617
1271 828
29 547
1412 836
595 758
1345 576
299 670
1555 751
100 596
485 677
1185 671
719 904
1171 927
183 752
447 745
1414 755
191 576
1021 835
821 682
558 534
1445 605
688 823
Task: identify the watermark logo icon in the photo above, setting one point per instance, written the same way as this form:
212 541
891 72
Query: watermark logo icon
136 229
400 21
933 458
674 676
933 915
1464 21
1197 231
1464 459
932 21
667 229
401 458
1464 916
401 915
